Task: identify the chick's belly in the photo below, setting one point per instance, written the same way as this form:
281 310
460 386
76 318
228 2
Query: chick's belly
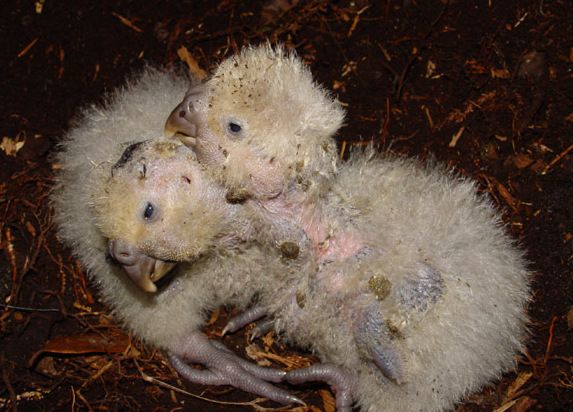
342 246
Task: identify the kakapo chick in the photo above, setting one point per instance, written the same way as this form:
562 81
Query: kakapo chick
100 148
451 285
264 129
433 307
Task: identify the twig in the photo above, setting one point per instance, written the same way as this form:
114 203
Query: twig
127 22
254 403
414 55
356 20
22 308
9 387
27 48
549 341
556 159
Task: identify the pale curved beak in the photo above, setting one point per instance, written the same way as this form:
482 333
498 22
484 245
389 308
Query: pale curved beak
183 121
142 269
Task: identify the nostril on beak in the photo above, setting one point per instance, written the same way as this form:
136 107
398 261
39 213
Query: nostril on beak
121 252
182 120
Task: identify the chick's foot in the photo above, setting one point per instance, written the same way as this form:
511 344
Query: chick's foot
376 342
223 367
340 380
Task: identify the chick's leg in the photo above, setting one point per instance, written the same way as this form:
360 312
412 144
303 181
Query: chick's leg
339 379
223 367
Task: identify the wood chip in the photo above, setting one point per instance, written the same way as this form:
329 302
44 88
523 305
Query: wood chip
500 73
509 199
570 319
456 137
11 146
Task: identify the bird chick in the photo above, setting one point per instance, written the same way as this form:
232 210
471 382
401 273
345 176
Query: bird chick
450 287
261 122
264 129
92 182
431 309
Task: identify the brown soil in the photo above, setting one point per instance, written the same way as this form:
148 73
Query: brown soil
485 86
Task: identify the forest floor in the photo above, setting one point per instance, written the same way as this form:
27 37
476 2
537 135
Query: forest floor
483 86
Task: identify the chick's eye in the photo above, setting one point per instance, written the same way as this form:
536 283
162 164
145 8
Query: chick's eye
234 128
149 211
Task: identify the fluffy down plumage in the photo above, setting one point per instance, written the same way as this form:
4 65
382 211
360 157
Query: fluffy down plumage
451 335
452 338
411 251
171 318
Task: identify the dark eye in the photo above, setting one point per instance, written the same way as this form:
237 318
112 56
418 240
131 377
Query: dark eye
234 128
148 212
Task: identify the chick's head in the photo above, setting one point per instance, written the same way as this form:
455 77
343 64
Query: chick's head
157 205
261 123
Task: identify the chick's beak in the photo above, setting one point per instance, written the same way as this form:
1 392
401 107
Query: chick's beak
142 269
183 121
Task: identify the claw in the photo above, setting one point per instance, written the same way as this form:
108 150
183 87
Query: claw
261 328
223 367
242 320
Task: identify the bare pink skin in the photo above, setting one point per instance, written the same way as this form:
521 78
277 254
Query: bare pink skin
325 246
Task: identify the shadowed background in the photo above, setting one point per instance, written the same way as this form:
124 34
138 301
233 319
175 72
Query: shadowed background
484 86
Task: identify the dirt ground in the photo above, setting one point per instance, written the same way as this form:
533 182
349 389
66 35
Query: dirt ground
484 86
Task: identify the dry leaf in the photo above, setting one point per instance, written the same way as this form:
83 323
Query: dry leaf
268 339
338 85
290 361
473 67
516 385
47 367
522 160
500 73
196 71
524 404
12 146
254 352
82 344
214 317
328 401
